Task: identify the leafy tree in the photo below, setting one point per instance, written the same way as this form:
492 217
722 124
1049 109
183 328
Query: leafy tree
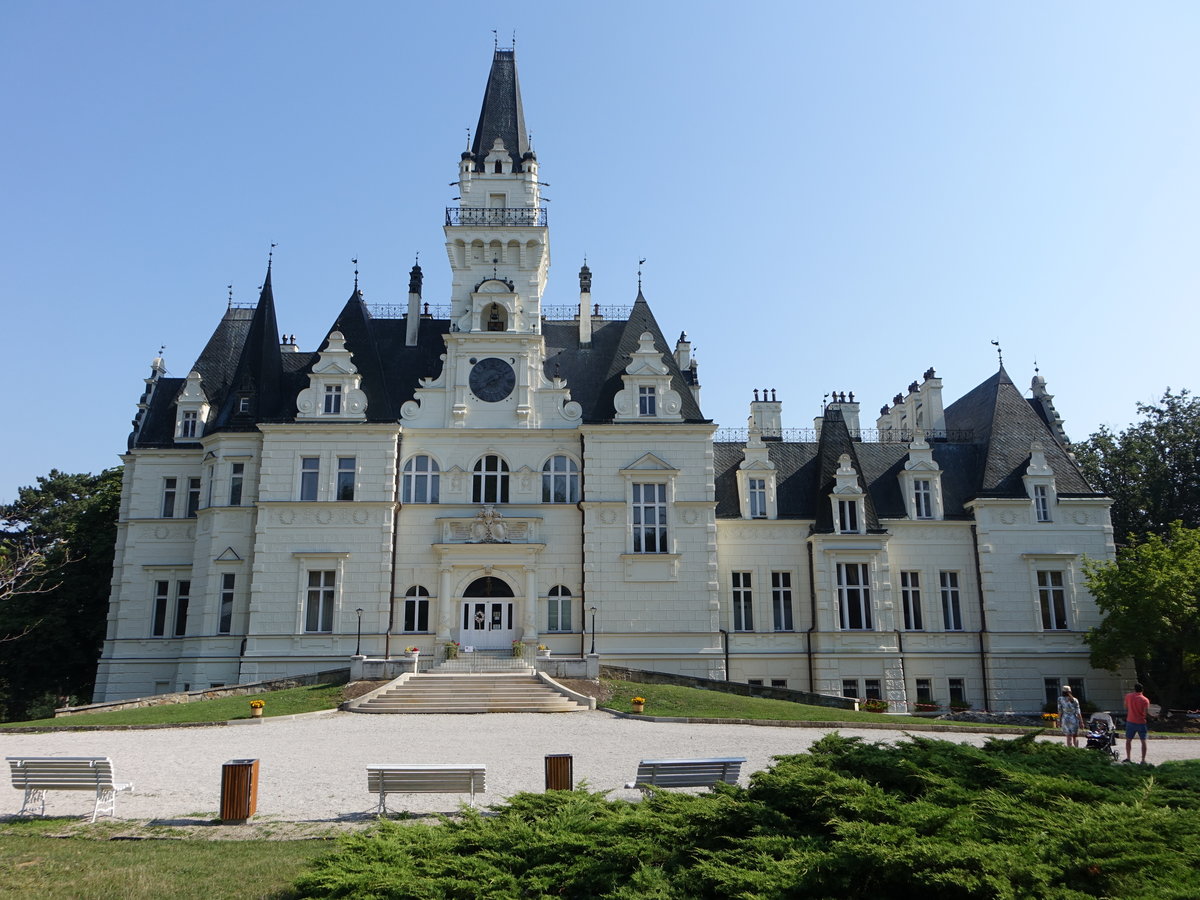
1151 469
58 554
1150 595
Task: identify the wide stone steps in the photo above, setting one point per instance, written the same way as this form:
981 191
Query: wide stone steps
464 693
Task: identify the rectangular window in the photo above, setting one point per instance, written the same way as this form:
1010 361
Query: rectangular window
193 498
1041 502
924 690
850 687
559 616
162 593
345 477
1051 687
958 690
754 682
187 428
647 405
310 477
779 682
333 399
649 518
757 489
848 516
170 486
318 614
743 602
1052 597
910 597
237 474
416 613
243 404
951 602
781 600
854 596
225 610
872 689
923 498
183 592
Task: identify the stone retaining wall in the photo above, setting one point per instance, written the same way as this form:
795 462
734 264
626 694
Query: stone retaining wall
729 687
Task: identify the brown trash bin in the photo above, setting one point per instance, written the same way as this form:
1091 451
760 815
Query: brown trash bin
560 772
239 790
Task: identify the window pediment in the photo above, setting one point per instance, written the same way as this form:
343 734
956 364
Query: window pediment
649 463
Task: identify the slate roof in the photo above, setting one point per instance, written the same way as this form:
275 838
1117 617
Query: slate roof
1002 423
501 115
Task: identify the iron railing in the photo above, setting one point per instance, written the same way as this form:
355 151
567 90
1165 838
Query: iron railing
867 435
560 313
503 215
567 312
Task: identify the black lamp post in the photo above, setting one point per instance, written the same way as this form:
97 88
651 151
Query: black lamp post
358 645
593 612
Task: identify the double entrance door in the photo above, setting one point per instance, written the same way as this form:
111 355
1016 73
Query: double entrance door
487 624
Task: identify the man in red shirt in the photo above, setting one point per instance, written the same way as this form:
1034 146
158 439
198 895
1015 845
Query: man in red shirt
1136 704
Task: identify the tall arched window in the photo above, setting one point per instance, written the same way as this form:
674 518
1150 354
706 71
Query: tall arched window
560 480
559 606
490 482
421 480
416 609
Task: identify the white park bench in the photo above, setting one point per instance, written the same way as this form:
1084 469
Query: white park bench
438 778
675 773
37 774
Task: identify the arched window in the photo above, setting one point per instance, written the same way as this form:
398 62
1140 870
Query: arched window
490 482
560 480
421 480
559 609
416 609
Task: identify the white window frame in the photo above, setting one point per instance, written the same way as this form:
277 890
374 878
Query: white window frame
225 602
183 595
910 600
741 604
646 533
647 400
854 597
310 479
322 589
560 480
416 608
558 609
782 610
1041 503
1053 599
923 498
422 480
237 483
490 481
950 592
849 516
170 496
159 607
192 504
347 475
756 496
332 405
189 420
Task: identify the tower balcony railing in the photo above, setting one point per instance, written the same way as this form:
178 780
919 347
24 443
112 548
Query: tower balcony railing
502 215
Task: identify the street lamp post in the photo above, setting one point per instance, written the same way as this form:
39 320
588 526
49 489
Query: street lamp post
358 645
593 612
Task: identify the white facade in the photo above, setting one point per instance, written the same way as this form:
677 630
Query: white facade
494 474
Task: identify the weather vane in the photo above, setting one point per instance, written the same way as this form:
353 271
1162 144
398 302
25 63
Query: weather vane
999 353
641 262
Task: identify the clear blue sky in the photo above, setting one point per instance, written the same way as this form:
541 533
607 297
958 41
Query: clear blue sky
829 196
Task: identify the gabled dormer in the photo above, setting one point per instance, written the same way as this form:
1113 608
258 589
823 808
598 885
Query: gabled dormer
921 482
756 479
647 395
334 386
847 499
191 410
1039 484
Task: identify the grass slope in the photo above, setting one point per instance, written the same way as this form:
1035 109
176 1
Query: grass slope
851 819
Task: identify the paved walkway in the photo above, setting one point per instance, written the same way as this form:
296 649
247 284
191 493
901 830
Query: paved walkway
313 768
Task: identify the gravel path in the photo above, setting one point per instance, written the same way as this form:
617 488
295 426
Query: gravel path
313 767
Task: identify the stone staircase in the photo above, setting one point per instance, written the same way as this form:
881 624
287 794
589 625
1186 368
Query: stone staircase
450 691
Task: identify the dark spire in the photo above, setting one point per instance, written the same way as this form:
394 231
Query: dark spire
585 279
414 279
502 115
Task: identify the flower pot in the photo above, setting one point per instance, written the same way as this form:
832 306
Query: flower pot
639 707
543 654
256 712
412 654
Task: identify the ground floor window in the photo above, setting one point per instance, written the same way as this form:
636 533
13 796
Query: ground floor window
958 691
558 615
743 602
924 690
318 613
416 609
854 596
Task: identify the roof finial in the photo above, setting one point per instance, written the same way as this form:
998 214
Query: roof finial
495 40
1036 370
640 263
230 287
270 254
468 137
355 261
999 352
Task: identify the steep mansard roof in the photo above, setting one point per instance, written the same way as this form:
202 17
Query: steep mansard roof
243 357
501 115
1002 425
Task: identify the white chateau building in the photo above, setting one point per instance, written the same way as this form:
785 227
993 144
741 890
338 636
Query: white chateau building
500 470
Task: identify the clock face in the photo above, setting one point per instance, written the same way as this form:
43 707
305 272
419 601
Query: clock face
492 379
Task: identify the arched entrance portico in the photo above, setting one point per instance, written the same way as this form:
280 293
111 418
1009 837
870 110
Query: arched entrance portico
487 620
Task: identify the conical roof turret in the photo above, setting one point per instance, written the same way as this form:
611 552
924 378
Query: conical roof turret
502 115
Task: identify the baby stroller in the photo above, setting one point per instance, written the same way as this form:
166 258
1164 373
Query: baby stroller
1102 735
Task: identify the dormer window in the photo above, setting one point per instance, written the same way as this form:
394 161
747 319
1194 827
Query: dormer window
191 407
756 491
1041 502
187 425
848 516
243 405
921 482
646 401
333 399
923 498
1039 483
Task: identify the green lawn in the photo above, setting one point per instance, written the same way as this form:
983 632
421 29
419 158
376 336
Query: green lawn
683 702
279 703
33 865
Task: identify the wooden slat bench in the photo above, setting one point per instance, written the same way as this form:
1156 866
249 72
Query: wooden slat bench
437 778
37 774
674 773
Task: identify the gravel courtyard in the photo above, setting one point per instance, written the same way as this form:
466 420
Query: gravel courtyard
313 767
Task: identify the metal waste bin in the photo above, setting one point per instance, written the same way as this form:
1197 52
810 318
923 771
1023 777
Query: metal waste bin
239 790
560 772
